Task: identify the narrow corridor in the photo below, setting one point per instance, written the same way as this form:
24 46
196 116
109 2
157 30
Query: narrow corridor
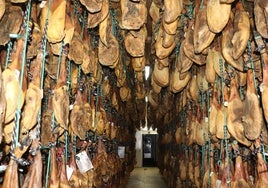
146 177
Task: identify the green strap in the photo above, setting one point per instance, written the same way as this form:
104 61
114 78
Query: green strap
202 4
48 168
15 134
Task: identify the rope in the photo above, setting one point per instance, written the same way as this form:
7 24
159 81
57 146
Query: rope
225 119
252 65
209 141
203 124
69 83
177 49
15 133
9 47
84 22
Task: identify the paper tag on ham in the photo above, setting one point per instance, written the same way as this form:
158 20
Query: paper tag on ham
3 168
71 107
218 183
206 119
261 88
17 74
83 162
225 103
42 4
69 172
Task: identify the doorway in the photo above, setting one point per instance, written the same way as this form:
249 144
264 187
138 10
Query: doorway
149 150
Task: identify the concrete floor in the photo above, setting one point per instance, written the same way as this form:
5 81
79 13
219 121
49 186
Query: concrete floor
146 177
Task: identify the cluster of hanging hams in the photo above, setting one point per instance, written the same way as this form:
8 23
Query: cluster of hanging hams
223 53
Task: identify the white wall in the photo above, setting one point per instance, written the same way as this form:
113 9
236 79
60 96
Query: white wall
139 134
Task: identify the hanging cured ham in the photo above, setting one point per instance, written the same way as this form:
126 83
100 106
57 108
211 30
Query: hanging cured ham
54 178
60 100
239 173
33 178
33 96
203 37
235 113
241 30
217 15
262 171
11 178
56 20
252 114
264 84
11 79
214 108
260 13
62 169
210 176
81 115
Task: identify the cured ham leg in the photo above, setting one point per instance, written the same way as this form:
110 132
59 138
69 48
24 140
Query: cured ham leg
54 179
33 96
252 113
264 84
235 113
62 170
11 179
2 105
214 108
60 99
262 170
203 37
11 77
33 178
239 174
81 116
210 173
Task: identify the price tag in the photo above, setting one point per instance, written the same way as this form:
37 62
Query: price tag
121 152
71 107
218 183
211 173
17 74
225 103
261 88
3 168
69 172
42 4
206 119
83 162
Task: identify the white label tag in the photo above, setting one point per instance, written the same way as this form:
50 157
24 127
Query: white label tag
42 4
211 173
206 119
261 88
70 171
71 107
3 168
17 74
83 162
218 183
225 103
121 151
